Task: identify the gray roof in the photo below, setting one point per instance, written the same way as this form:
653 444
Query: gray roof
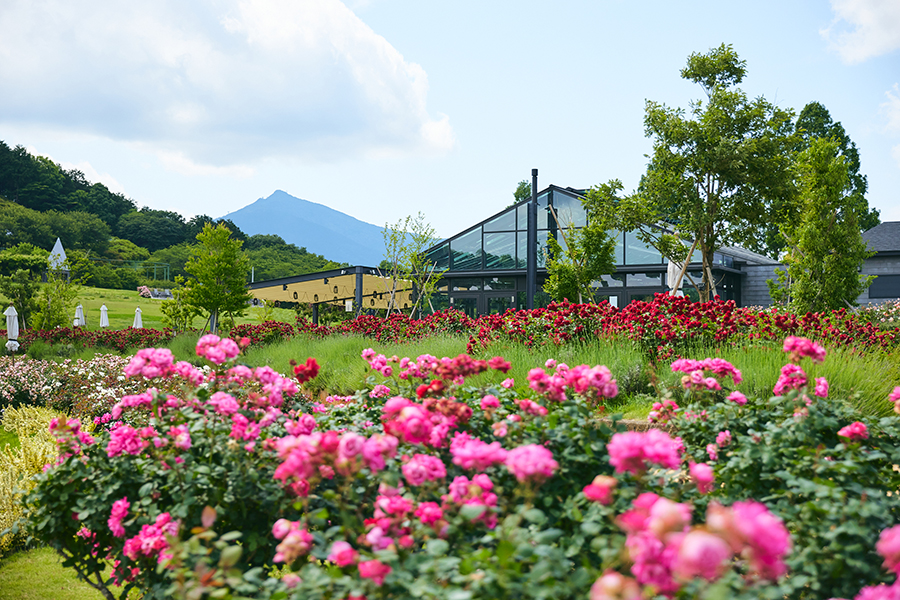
884 237
746 255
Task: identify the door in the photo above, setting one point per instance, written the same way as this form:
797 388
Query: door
468 303
499 302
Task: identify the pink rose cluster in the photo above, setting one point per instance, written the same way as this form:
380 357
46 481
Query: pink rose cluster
296 541
151 541
792 378
601 489
593 383
666 552
119 511
69 437
427 366
423 467
471 453
695 372
217 350
894 397
429 423
634 451
151 363
854 431
476 492
888 546
531 463
663 412
799 347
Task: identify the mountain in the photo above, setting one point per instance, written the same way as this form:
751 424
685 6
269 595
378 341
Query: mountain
321 230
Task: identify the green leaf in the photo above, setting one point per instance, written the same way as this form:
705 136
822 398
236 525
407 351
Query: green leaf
437 547
535 515
472 511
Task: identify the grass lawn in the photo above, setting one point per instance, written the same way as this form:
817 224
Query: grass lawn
121 305
39 575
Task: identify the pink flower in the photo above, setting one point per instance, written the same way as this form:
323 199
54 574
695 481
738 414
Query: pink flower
667 517
821 389
374 570
343 554
472 453
703 477
216 349
800 347
509 382
888 546
490 402
614 586
380 391
601 489
296 542
429 513
281 528
225 404
738 398
125 439
750 528
119 511
531 462
723 439
634 451
151 362
895 398
423 467
181 437
792 378
701 554
713 451
151 541
854 431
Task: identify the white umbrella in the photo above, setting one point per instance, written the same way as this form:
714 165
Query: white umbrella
12 328
104 318
79 316
138 324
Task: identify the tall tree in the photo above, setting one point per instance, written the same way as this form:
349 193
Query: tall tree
219 270
152 229
522 192
714 173
825 246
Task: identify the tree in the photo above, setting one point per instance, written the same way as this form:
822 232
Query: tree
523 192
152 229
405 262
220 270
589 253
58 294
713 176
825 246
21 267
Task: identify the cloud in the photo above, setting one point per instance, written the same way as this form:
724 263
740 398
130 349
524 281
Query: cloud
215 83
864 29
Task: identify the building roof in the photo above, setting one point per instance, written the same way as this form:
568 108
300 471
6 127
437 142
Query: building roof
884 237
746 255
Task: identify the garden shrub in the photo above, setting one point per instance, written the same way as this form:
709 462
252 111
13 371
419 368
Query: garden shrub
20 464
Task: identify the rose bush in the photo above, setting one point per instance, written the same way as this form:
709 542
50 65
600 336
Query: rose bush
423 486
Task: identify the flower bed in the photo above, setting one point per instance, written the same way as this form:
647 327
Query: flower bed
420 486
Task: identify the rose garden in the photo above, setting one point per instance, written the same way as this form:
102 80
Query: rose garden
447 477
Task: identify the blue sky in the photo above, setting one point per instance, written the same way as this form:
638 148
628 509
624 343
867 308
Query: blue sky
383 108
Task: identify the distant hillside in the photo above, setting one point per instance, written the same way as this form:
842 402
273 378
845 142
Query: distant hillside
319 229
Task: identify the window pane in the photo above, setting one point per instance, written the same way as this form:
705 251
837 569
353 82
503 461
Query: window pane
504 222
466 251
500 250
569 210
542 215
639 253
644 279
522 250
465 284
522 217
541 248
610 281
619 256
500 283
439 256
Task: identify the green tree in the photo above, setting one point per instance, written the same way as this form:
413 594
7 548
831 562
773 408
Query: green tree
523 192
825 246
219 269
177 313
714 175
58 294
589 252
152 229
405 263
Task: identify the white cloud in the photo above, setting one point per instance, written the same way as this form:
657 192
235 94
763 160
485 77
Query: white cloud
864 29
215 83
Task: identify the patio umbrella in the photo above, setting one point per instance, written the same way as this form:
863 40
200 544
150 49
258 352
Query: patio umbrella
104 318
12 328
79 316
138 324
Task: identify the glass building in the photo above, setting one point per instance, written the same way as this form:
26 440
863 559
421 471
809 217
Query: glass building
487 264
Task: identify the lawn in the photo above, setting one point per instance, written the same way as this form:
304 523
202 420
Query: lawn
121 305
39 575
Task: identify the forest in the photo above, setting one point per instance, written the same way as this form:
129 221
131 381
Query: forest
125 246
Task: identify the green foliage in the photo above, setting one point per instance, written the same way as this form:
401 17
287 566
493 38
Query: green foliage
177 313
826 247
713 175
405 263
522 192
175 256
219 269
834 495
152 229
589 253
58 295
120 249
271 257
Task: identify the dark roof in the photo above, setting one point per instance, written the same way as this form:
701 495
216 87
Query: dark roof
884 237
746 255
